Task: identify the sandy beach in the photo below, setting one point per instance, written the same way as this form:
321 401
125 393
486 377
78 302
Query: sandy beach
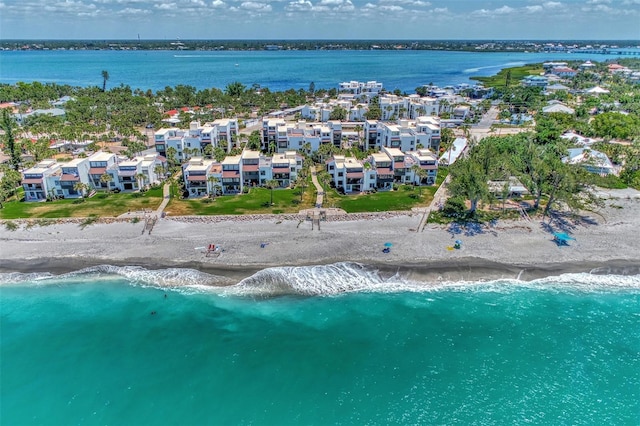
606 241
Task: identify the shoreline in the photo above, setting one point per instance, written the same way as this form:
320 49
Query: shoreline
463 269
605 241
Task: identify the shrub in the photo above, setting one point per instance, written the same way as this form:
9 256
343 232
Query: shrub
454 207
89 221
11 226
78 201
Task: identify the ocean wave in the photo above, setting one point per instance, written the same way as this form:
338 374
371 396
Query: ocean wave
164 278
329 280
346 277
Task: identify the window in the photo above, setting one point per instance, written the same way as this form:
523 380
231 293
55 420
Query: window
340 174
262 173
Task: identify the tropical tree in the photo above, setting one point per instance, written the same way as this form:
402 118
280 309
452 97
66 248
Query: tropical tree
140 177
446 138
172 156
254 140
8 124
159 171
420 173
9 182
469 181
105 77
106 178
338 113
235 89
301 180
212 181
271 184
81 187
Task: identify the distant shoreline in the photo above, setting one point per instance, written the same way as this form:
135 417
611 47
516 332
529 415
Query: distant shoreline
479 45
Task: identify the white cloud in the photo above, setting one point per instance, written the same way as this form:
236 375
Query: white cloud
504 10
598 1
218 3
299 5
165 6
534 9
391 8
552 4
255 6
130 11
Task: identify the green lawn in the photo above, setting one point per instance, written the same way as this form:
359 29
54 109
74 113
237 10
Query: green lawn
404 198
256 201
101 205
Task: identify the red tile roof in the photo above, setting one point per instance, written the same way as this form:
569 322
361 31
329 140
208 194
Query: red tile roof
250 168
69 178
97 170
230 174
197 178
29 181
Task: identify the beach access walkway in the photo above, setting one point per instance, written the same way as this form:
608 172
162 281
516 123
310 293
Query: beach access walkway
319 189
318 213
151 216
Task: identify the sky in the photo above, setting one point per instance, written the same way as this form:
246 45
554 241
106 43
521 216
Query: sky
321 19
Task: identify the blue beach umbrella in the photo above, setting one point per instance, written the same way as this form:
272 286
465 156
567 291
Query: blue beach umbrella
388 245
458 241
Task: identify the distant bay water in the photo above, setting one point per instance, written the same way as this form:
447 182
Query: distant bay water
277 70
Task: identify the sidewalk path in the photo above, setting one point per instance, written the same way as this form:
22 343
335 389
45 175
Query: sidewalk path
319 189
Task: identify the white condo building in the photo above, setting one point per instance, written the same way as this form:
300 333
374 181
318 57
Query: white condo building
49 179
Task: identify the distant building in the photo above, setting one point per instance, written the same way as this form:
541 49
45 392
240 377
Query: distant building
535 81
593 161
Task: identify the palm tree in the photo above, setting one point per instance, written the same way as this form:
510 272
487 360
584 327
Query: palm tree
212 181
105 77
301 180
271 184
140 178
358 130
81 188
106 178
421 174
172 156
159 171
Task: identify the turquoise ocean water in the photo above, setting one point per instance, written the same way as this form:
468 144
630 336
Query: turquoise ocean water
277 70
337 344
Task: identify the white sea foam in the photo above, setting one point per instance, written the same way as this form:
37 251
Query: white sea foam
352 277
324 280
165 278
